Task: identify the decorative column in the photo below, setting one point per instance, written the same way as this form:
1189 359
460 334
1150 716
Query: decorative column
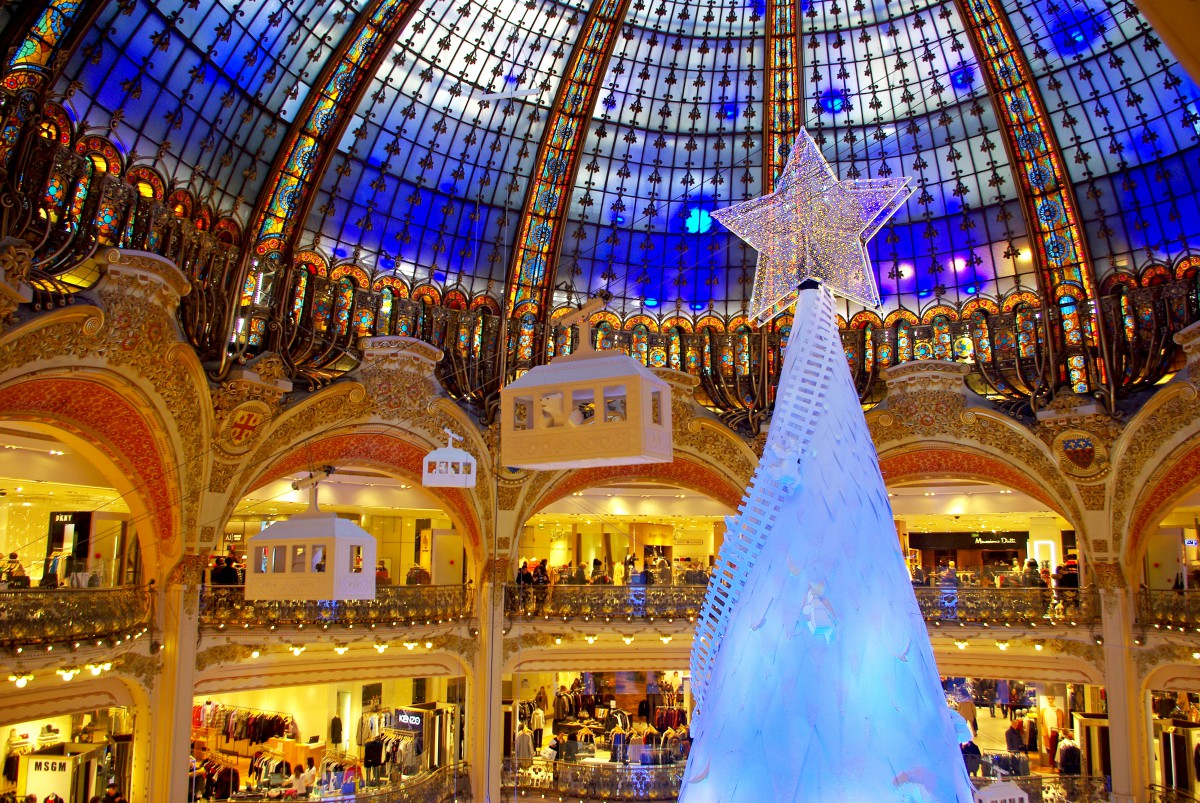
485 722
171 698
1126 721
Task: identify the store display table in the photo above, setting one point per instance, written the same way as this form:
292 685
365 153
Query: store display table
295 752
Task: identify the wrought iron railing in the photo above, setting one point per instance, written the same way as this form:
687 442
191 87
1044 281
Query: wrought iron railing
447 783
1161 794
1169 609
604 602
968 605
70 615
534 777
984 605
1056 788
227 606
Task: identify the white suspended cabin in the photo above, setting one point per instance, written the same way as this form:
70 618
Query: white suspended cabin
311 556
589 408
449 466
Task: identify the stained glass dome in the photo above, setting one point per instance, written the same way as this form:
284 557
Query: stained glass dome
666 117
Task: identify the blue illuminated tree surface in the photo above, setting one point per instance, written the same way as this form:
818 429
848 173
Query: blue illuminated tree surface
812 670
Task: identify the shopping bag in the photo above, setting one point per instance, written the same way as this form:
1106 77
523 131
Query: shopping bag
549 753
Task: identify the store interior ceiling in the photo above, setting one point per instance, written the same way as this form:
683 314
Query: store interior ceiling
37 466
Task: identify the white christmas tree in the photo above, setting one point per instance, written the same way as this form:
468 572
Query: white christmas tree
812 669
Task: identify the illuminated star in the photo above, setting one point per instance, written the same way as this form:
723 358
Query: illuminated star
813 226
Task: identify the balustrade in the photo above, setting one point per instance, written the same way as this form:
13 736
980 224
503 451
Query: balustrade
1162 794
592 781
968 605
604 602
1169 609
227 606
1056 788
985 605
69 615
605 781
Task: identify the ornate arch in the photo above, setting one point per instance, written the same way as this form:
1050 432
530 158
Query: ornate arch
1151 461
681 472
942 461
109 418
1176 477
385 452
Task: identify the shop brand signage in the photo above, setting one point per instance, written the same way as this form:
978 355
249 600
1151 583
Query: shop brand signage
410 720
980 539
47 775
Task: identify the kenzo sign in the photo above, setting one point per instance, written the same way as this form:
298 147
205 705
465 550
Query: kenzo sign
413 720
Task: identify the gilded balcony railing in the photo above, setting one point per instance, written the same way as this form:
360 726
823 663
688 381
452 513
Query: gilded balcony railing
604 602
1055 788
1169 609
227 606
968 605
70 615
984 605
558 779
1161 794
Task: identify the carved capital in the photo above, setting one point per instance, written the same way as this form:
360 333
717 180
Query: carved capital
143 668
1108 576
189 571
926 375
146 276
16 260
222 654
1189 339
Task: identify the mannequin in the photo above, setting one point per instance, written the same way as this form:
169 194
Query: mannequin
1051 720
537 722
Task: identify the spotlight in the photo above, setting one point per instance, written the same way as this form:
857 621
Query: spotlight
1002 644
429 645
590 639
627 639
297 650
961 643
67 674
21 680
665 639
340 649
410 645
254 653
380 647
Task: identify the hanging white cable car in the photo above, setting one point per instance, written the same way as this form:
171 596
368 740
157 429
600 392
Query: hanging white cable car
589 408
449 466
311 556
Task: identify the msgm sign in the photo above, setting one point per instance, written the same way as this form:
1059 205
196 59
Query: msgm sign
49 774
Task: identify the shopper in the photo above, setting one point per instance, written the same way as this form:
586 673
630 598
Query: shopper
223 574
541 586
382 578
298 785
112 795
972 756
1013 739
1031 577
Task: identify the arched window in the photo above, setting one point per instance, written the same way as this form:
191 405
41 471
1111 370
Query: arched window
383 320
